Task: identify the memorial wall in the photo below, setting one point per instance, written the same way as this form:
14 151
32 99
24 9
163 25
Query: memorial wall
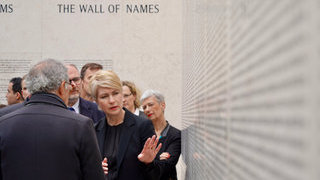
251 83
243 75
141 40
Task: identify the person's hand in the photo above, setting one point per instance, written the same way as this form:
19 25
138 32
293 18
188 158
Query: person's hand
105 166
164 156
149 150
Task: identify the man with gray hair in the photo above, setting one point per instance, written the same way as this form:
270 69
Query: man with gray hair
44 140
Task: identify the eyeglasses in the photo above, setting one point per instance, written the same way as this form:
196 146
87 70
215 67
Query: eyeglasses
76 80
68 83
127 95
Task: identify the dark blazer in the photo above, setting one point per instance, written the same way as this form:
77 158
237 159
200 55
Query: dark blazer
44 140
171 143
135 132
11 108
90 109
142 114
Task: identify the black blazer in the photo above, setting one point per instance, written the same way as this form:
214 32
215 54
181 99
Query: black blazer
90 109
171 143
44 140
135 132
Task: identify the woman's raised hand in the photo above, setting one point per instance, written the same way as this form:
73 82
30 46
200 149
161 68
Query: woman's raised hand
150 150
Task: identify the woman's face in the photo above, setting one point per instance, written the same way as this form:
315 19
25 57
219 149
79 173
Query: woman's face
152 108
128 98
109 100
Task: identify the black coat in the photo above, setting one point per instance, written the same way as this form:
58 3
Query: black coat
44 140
135 132
86 108
11 108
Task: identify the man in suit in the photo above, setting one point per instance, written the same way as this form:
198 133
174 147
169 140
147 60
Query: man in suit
87 71
25 94
43 140
76 103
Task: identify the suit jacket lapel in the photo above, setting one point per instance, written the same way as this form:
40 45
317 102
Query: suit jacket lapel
127 131
101 129
83 109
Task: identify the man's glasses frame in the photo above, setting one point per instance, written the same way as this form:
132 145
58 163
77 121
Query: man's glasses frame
75 80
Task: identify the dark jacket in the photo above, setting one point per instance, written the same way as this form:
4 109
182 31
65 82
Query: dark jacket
43 140
90 109
171 143
86 108
135 132
11 108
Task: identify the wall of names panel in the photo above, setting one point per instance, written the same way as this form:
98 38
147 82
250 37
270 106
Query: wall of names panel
250 107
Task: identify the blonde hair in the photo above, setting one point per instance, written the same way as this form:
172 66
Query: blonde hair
104 78
135 91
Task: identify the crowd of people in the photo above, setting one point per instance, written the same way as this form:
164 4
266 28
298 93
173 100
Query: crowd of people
64 124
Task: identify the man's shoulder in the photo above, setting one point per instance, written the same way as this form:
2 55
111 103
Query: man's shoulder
45 113
11 108
91 110
87 104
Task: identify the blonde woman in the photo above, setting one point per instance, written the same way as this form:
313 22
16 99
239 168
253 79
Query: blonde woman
126 142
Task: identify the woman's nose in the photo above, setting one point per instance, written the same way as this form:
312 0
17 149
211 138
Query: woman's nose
111 98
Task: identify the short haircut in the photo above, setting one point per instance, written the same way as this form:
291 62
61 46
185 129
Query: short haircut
91 66
72 65
104 78
46 76
149 93
134 90
16 84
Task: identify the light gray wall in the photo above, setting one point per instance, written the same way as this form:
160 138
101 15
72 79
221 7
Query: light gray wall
142 47
251 98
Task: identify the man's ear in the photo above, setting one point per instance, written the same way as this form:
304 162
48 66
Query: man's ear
62 89
18 96
63 92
